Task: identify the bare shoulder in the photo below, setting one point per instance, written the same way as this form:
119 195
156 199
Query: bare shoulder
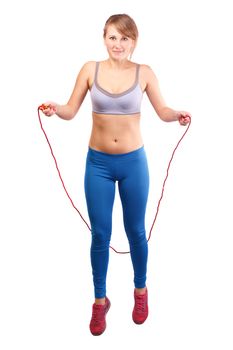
88 68
87 72
147 72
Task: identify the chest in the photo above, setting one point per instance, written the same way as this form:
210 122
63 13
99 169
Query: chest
116 82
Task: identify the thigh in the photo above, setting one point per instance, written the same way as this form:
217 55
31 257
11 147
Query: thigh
100 193
133 189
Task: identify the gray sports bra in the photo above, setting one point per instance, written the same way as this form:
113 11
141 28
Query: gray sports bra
124 103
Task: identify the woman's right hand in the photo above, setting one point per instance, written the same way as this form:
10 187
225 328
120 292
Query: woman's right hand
49 108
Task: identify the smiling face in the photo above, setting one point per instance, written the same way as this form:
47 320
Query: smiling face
119 46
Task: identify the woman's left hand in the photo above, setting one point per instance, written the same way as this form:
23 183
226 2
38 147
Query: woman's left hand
184 118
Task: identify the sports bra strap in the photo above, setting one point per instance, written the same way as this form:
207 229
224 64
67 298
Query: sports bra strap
96 71
137 72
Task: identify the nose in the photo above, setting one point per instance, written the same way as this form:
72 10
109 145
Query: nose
117 43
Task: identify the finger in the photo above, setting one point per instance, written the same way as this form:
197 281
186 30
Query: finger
183 122
44 108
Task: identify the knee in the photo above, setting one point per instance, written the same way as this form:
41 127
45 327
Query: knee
137 237
100 239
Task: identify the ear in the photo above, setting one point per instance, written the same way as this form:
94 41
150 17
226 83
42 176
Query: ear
134 43
132 50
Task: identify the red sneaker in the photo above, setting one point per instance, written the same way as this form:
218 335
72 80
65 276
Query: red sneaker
98 322
140 311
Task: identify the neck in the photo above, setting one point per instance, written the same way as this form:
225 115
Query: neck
117 64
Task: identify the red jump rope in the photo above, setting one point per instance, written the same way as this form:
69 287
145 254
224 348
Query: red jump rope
72 203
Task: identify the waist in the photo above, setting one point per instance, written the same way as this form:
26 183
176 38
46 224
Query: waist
136 153
115 134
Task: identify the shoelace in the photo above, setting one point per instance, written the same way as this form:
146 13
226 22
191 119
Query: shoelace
140 304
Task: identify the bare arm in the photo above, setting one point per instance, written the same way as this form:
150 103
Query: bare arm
154 94
69 110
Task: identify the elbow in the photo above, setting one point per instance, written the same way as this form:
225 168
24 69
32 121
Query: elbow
162 113
70 117
70 112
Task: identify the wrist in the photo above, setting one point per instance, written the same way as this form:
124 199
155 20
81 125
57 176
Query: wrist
57 108
176 116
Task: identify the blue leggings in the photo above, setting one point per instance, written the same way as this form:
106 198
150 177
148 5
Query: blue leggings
131 172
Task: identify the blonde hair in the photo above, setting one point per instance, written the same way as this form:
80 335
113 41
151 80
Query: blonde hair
124 25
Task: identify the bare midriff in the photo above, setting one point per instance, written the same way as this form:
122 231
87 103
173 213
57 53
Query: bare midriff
115 134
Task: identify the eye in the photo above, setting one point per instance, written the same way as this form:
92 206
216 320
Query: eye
112 38
125 38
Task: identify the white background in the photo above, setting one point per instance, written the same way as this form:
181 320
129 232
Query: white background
46 289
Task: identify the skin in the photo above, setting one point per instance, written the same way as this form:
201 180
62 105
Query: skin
116 133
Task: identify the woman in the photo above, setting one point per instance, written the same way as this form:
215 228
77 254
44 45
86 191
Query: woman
116 153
